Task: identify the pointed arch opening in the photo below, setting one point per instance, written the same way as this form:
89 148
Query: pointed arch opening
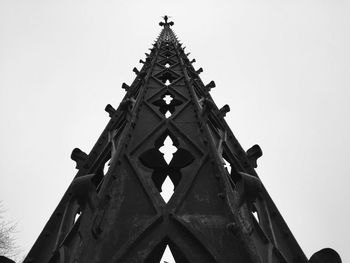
166 252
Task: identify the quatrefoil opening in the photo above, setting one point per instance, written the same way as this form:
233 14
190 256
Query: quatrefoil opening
162 166
167 104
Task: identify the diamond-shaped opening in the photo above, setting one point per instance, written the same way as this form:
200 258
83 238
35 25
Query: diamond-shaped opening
167 105
167 189
166 160
167 65
166 252
167 114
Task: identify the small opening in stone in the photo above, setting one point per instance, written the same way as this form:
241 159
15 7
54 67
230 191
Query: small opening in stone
167 105
77 215
167 256
227 165
166 160
168 98
106 166
168 149
167 189
255 214
167 114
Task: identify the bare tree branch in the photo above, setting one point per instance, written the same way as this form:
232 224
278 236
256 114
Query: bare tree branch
8 247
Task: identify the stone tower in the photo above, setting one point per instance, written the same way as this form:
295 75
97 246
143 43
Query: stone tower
219 211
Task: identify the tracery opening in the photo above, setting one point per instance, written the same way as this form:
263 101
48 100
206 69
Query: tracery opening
167 105
166 160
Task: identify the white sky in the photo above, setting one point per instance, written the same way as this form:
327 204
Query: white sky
282 66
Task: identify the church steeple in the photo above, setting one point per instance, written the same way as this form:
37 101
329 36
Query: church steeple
218 211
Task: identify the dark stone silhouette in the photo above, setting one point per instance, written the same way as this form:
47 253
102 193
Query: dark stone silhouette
219 212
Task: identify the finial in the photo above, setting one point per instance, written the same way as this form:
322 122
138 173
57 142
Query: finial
79 157
166 22
111 111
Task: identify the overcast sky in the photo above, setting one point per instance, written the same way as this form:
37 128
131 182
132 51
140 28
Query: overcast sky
282 66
